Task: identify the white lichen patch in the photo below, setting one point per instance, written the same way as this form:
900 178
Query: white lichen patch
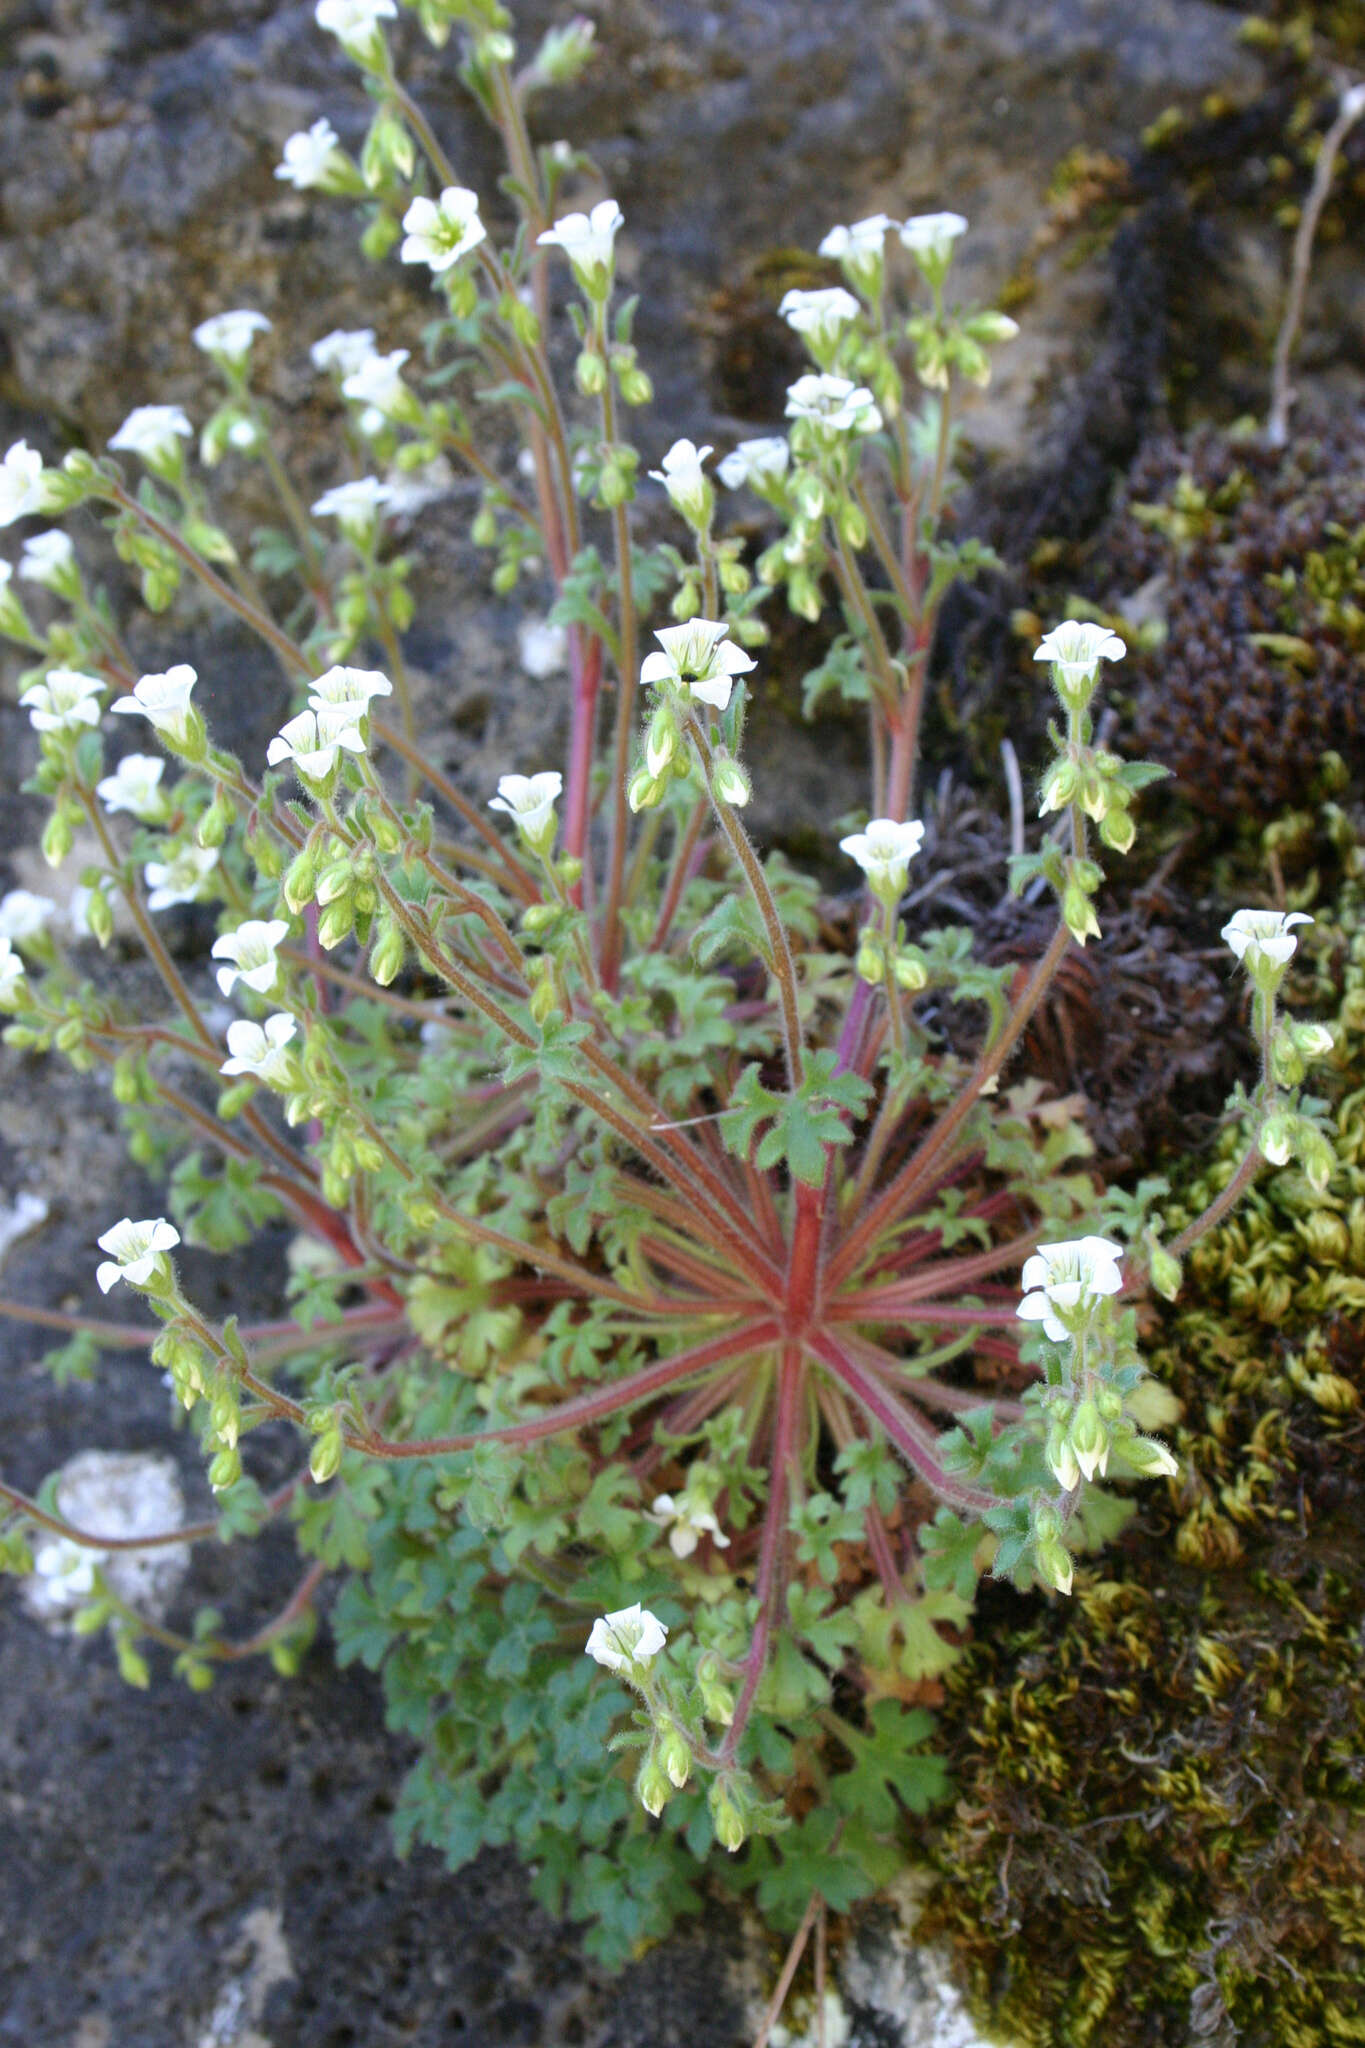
19 1217
114 1494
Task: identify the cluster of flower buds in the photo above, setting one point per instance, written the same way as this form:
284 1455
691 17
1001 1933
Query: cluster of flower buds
696 664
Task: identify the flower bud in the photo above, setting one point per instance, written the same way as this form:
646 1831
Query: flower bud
99 917
1053 1562
590 373
1078 914
717 1702
616 483
726 1817
1089 1439
637 387
386 953
675 1753
644 790
1150 1458
1164 1268
1276 1138
911 969
1117 829
869 965
324 1459
225 1469
301 879
1060 785
57 839
731 784
213 827
1316 1156
1062 1459
543 1003
335 924
652 1786
662 739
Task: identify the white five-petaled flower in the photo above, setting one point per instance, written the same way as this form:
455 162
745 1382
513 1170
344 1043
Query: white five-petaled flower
543 647
378 382
861 247
1256 935
312 747
438 232
11 974
154 432
354 23
164 700
343 350
355 506
24 915
1075 649
685 481
47 558
588 240
761 463
230 335
690 1519
930 236
821 316
308 156
21 483
66 701
834 404
699 659
884 852
136 1251
1068 1279
261 1050
341 699
180 879
252 951
135 787
530 800
630 1636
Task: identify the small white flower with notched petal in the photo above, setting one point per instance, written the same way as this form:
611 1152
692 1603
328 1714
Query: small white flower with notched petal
884 852
252 951
24 915
630 1636
341 701
688 487
834 405
69 1569
761 464
690 1519
311 157
343 350
66 701
1068 1279
1263 935
21 483
230 335
180 879
313 749
135 788
261 1050
154 432
48 558
355 506
164 700
861 249
11 975
530 800
820 317
355 23
588 240
137 1252
698 659
438 232
1075 649
930 237
378 383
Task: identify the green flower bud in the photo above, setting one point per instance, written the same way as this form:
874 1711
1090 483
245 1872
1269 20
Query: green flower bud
1053 1561
616 484
726 1818
869 964
386 953
1060 785
731 784
910 969
484 531
1165 1270
717 1702
675 1753
1078 914
225 1469
380 236
57 839
1149 1458
334 925
1089 1439
324 1459
590 373
637 387
644 790
1117 829
543 1003
1316 1156
652 1787
214 825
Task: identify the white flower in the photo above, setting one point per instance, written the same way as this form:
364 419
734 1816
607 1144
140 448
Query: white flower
135 787
69 1566
1256 935
356 506
699 659
378 382
251 948
930 236
884 852
543 647
761 463
260 1049
860 248
834 404
180 879
47 558
230 335
67 700
136 1251
821 316
1070 1278
343 350
588 240
530 799
438 232
682 477
354 23
312 747
164 700
691 1519
630 1636
340 699
23 915
1076 648
21 483
308 157
11 975
154 432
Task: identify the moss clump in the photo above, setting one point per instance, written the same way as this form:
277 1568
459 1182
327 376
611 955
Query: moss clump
1160 1834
